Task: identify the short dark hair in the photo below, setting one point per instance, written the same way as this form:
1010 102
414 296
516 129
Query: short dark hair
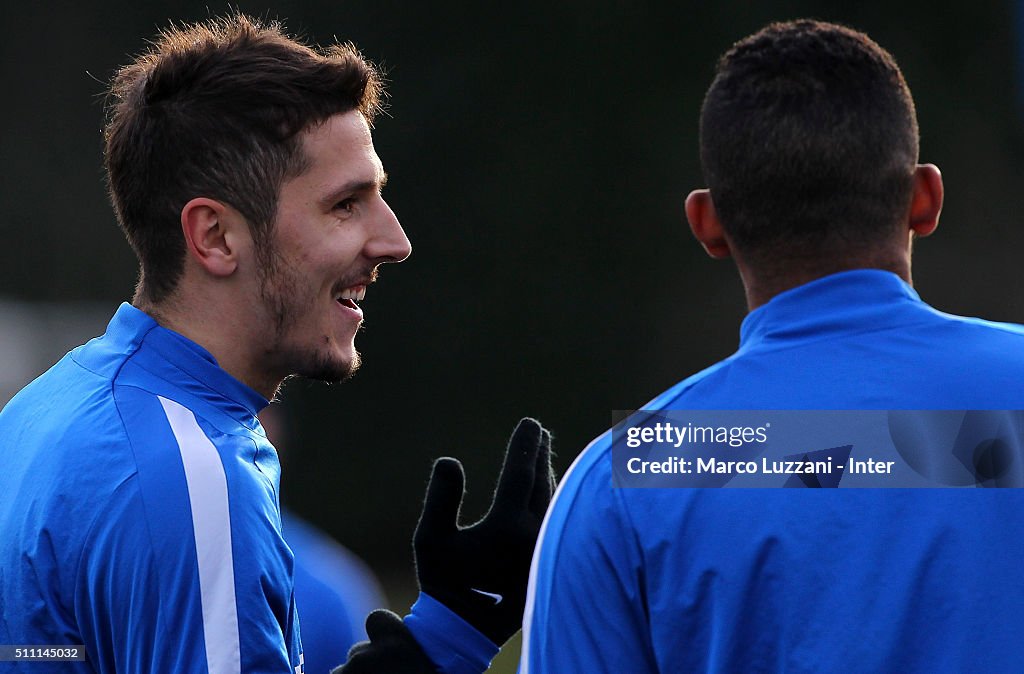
215 109
808 142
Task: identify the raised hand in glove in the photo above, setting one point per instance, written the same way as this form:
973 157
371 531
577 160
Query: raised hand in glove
480 572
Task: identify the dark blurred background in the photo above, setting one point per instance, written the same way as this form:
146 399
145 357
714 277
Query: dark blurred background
539 155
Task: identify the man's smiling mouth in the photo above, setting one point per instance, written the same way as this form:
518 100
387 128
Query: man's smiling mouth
351 295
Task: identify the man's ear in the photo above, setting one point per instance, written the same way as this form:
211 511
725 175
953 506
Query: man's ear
705 225
209 236
926 202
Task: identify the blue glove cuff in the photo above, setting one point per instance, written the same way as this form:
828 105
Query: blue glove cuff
451 643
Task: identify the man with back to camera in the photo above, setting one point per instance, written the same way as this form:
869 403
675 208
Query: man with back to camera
140 516
809 145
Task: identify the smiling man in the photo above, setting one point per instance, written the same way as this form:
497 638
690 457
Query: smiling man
288 306
140 517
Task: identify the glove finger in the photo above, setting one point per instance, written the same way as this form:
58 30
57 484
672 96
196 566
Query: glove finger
515 484
444 498
357 649
544 478
381 624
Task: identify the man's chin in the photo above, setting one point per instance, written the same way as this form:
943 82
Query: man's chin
332 369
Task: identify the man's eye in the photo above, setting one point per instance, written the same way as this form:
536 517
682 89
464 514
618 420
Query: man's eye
345 205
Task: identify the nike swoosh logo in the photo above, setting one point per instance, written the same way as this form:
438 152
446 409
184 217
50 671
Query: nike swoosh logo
496 597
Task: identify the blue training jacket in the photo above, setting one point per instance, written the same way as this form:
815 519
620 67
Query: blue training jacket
797 580
139 513
140 518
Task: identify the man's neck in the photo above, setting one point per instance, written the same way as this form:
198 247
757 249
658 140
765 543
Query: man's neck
216 334
762 287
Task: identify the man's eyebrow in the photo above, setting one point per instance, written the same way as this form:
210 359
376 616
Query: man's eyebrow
354 187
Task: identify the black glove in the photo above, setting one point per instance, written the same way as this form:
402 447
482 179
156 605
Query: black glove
390 650
480 572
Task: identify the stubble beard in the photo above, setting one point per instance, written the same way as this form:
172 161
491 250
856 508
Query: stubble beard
283 296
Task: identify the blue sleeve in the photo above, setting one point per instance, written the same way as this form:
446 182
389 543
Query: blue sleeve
586 605
452 644
187 572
